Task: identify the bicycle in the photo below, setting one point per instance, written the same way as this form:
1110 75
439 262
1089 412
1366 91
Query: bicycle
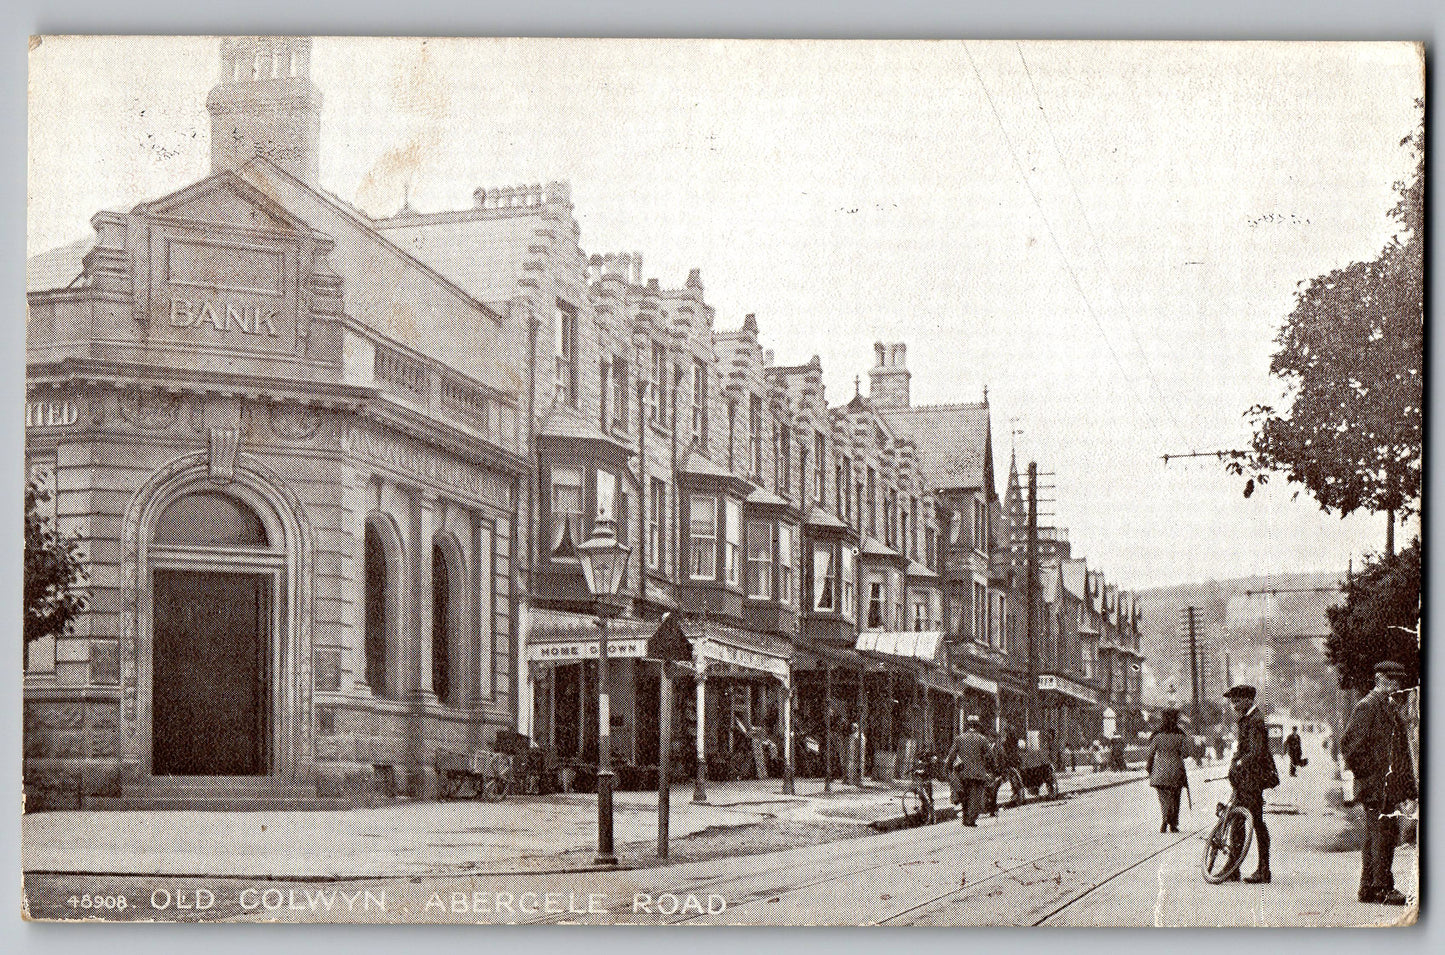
918 799
1227 843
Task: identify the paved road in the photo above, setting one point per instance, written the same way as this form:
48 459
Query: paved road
1094 859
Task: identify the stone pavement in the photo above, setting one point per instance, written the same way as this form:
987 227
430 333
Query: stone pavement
522 833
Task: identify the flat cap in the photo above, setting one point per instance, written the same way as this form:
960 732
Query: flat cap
1241 689
1390 668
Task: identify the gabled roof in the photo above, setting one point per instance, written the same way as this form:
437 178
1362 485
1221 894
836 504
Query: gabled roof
955 446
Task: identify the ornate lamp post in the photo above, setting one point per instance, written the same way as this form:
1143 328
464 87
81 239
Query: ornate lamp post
604 566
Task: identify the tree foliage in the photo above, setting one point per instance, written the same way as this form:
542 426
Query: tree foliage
54 573
1351 356
1378 620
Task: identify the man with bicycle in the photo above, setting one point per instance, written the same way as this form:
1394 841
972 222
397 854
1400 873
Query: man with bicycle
1252 771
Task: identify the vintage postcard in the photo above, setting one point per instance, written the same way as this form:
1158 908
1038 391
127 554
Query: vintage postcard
723 482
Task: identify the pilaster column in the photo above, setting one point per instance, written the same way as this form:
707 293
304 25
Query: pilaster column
424 517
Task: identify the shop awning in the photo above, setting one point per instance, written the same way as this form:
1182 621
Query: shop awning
553 636
740 649
915 645
1062 685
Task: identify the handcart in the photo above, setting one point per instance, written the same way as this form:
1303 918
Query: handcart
481 775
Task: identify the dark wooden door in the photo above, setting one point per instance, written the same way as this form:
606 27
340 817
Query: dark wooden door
208 690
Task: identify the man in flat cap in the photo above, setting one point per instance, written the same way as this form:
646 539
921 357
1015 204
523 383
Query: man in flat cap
1377 751
1252 771
970 765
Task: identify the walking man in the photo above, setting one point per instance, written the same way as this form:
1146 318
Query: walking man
1252 771
969 759
1377 751
1294 749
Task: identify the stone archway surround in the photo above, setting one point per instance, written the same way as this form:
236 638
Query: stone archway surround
291 730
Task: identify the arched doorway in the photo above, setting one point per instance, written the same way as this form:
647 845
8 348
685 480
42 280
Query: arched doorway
215 573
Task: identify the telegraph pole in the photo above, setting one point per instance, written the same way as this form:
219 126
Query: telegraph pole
1191 620
1031 594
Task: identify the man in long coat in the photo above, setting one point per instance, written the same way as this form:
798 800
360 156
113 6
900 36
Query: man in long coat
1294 749
1377 751
969 762
1252 771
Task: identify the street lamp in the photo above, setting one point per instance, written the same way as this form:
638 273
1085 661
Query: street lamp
604 565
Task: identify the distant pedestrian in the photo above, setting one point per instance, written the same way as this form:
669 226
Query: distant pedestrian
1096 751
970 768
1165 765
1218 746
1252 771
1295 750
1377 751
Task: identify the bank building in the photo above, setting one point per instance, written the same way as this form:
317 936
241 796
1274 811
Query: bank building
330 474
291 453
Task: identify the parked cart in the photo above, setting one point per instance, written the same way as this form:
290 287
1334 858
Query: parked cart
481 775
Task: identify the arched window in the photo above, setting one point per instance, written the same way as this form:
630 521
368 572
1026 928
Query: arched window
210 518
376 623
441 620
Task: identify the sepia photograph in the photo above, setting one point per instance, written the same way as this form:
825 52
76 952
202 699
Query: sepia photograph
772 482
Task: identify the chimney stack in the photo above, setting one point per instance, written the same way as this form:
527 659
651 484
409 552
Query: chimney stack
888 380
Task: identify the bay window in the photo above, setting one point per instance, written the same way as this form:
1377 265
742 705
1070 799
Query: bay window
732 539
920 613
566 517
824 587
874 619
980 613
760 560
702 536
899 601
786 565
606 498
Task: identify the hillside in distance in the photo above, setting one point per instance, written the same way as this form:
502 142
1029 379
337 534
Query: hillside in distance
1234 618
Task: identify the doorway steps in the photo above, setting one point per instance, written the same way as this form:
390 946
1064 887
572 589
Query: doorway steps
218 794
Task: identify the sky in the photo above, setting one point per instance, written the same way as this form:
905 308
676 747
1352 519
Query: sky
1105 236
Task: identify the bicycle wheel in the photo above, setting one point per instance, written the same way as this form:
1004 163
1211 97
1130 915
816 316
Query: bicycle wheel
1227 845
914 809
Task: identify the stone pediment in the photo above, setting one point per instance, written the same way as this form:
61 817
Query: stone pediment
225 199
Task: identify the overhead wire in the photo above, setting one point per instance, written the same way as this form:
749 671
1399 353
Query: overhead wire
1058 246
1098 249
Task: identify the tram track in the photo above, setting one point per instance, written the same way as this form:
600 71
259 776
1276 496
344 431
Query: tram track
1081 850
